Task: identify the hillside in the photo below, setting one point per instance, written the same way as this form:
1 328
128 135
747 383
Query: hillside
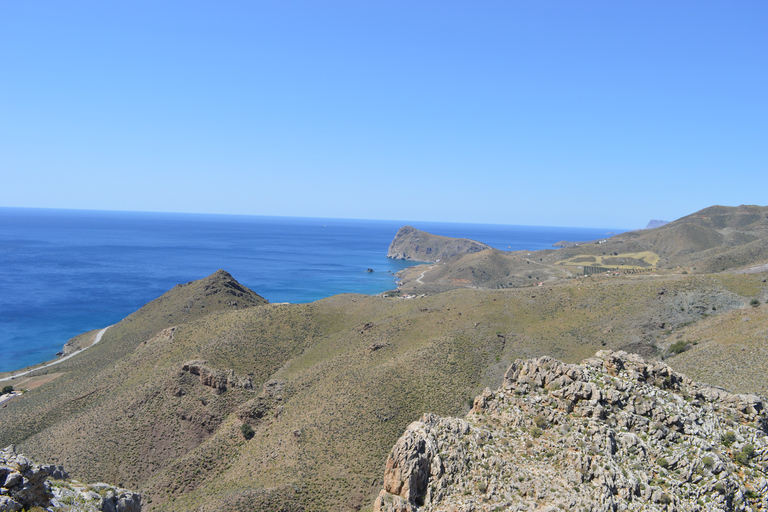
328 387
711 240
613 433
416 245
715 239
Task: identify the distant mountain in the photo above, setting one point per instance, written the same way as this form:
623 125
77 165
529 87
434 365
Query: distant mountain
655 223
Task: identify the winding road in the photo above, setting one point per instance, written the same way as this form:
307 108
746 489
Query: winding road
95 341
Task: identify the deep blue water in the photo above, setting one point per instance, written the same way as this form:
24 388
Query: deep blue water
64 272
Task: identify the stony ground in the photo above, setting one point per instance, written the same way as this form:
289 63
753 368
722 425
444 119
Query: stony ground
614 433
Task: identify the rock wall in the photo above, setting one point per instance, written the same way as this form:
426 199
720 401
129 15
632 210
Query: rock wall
615 433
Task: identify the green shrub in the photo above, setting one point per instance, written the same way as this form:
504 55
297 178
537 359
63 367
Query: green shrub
742 458
708 462
728 438
540 421
536 432
679 347
754 303
247 431
746 453
7 389
663 462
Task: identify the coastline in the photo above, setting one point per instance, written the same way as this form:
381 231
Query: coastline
97 339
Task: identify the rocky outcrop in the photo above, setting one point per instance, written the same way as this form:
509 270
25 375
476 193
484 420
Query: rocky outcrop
269 403
416 245
219 380
25 485
614 433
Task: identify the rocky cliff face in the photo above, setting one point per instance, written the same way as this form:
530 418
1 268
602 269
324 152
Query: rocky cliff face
416 245
25 485
614 433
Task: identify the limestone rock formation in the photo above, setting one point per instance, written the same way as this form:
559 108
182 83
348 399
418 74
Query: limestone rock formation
217 379
416 245
25 485
615 433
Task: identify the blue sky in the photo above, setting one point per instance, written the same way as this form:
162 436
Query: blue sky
603 114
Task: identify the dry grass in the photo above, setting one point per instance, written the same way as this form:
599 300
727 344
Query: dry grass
728 350
357 370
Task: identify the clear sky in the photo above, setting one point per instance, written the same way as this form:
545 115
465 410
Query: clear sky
567 113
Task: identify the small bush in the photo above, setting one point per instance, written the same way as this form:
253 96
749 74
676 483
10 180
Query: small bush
247 431
754 303
679 347
540 421
708 462
663 462
742 458
746 453
7 389
728 438
536 432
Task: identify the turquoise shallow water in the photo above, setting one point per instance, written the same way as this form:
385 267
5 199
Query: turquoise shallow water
64 272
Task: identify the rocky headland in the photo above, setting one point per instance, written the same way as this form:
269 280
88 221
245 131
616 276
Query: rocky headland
613 433
416 245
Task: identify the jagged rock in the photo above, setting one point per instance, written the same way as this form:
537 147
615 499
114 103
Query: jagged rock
615 433
24 485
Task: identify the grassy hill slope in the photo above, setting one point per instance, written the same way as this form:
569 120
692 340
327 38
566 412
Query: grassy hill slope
328 386
715 239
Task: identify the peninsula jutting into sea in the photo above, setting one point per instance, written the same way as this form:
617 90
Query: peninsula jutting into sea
625 372
70 271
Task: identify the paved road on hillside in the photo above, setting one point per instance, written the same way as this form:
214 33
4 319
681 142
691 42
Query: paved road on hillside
98 339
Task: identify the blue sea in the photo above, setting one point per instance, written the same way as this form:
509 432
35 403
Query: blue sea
64 272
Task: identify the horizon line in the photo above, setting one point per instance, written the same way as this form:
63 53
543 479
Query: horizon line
406 222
